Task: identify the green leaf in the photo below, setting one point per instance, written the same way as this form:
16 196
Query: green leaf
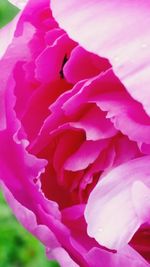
7 12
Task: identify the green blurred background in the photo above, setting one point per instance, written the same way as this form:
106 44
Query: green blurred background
18 248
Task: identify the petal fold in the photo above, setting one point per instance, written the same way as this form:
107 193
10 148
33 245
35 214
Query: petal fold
120 203
117 30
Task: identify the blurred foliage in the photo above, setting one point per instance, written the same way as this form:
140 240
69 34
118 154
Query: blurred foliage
18 248
7 12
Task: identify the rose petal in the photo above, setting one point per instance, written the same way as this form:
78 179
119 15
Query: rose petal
50 61
124 257
82 65
125 150
114 203
61 256
117 30
94 123
85 155
28 219
141 198
8 62
108 93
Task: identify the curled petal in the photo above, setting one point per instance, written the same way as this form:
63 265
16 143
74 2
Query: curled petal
28 219
49 62
82 65
124 257
85 155
62 256
117 30
120 203
108 93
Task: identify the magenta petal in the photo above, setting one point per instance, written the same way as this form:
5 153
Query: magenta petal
109 95
95 124
117 30
120 204
8 62
49 62
82 65
67 122
28 219
85 155
61 256
124 257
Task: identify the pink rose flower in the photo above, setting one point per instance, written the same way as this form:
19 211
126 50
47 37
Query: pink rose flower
75 138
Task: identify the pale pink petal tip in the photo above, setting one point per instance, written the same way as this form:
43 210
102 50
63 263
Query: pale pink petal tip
120 204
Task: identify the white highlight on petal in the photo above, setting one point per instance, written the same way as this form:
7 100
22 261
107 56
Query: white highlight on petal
19 3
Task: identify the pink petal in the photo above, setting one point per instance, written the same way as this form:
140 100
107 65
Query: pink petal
82 65
94 123
41 97
141 198
49 62
65 96
119 203
95 255
125 150
85 155
73 139
28 219
118 151
61 256
124 257
108 93
117 30
8 62
6 36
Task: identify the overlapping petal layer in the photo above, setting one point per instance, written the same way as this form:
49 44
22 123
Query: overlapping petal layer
121 203
117 30
70 122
